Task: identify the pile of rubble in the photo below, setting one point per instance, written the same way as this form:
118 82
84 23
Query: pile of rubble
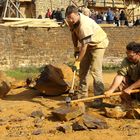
75 117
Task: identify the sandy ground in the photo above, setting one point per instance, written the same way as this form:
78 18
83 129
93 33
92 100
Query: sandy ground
16 122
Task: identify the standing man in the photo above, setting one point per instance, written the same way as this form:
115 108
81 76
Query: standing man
128 76
93 42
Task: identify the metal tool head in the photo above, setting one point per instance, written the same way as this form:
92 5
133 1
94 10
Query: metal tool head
68 101
71 91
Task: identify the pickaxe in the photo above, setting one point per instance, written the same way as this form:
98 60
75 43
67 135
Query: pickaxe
69 101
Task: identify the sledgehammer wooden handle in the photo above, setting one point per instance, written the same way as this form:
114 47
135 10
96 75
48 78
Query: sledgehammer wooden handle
102 96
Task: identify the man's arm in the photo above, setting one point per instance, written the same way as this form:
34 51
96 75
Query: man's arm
133 86
115 84
75 43
84 44
80 56
82 52
75 40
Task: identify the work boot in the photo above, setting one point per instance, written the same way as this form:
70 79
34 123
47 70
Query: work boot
97 103
79 95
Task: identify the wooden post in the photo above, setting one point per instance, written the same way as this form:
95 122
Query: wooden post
51 5
133 10
5 10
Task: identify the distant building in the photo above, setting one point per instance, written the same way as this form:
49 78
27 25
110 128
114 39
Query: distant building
34 8
131 7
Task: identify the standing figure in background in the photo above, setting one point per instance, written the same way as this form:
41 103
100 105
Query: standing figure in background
122 18
117 17
48 14
110 16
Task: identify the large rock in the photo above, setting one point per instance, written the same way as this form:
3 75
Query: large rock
4 84
94 121
89 120
66 113
54 80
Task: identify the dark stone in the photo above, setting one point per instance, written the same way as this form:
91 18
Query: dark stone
37 114
79 125
93 122
37 132
133 114
66 128
89 120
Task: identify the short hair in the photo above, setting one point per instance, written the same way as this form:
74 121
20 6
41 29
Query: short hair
71 9
133 46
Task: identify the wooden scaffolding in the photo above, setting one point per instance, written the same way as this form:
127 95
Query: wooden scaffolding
11 9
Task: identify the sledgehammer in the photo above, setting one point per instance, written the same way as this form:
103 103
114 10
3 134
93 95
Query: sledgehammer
71 91
98 97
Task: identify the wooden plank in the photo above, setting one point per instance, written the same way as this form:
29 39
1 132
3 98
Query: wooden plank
25 0
16 19
41 26
30 22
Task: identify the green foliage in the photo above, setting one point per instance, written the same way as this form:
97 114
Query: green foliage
30 72
23 73
110 68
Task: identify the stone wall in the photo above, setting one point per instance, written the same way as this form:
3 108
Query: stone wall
119 37
25 47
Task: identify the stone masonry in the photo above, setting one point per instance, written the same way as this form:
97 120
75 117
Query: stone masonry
26 47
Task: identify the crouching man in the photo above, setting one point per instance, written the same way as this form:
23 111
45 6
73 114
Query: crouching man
128 76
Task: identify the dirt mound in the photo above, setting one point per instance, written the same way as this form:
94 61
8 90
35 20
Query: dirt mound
54 80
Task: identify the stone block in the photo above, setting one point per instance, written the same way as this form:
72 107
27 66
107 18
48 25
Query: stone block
89 120
54 79
66 113
116 112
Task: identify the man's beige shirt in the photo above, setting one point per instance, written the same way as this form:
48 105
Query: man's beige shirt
89 28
